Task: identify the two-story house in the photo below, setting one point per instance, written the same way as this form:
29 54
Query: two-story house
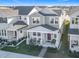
10 24
74 29
45 27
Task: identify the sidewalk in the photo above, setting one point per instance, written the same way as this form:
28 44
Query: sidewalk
43 51
5 54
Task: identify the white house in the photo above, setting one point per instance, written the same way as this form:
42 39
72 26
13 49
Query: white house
11 25
74 30
45 27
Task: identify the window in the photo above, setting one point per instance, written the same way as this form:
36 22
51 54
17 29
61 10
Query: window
34 33
2 33
5 32
25 18
52 20
21 31
36 20
56 20
55 36
76 21
39 34
72 21
19 17
38 41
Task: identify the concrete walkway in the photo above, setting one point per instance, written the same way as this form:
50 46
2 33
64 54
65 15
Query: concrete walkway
5 54
43 51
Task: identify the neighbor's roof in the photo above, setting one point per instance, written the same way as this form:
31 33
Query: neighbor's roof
13 28
24 10
74 31
73 9
19 23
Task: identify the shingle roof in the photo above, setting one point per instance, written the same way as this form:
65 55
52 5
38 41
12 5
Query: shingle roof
24 10
3 20
74 31
45 14
19 23
49 27
48 12
73 9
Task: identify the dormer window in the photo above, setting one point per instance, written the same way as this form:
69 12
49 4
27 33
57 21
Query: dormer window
36 20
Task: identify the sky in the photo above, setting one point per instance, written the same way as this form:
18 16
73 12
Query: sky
38 2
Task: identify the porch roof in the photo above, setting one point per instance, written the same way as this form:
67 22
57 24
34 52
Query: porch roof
42 28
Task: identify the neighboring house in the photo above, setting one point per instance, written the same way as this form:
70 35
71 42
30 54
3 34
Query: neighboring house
10 25
74 30
45 27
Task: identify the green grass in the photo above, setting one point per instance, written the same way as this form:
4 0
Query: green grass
24 49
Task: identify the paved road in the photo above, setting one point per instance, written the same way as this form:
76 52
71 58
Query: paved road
5 54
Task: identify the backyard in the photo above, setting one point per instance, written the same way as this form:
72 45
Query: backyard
24 49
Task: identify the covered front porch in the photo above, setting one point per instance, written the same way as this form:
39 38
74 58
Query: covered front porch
42 37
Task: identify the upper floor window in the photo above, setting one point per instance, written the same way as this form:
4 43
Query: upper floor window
25 18
51 20
34 33
19 17
56 20
21 31
74 20
36 20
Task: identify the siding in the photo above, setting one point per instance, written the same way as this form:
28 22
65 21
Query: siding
36 15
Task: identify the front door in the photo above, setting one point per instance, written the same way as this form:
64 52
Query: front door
48 37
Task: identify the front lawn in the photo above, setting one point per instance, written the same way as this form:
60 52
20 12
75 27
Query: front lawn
24 49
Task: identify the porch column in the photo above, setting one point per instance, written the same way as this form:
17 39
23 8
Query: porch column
17 35
27 42
41 38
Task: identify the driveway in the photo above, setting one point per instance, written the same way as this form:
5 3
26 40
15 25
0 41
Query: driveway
5 54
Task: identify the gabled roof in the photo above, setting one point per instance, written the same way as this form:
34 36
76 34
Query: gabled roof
20 23
74 31
47 11
42 28
24 10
